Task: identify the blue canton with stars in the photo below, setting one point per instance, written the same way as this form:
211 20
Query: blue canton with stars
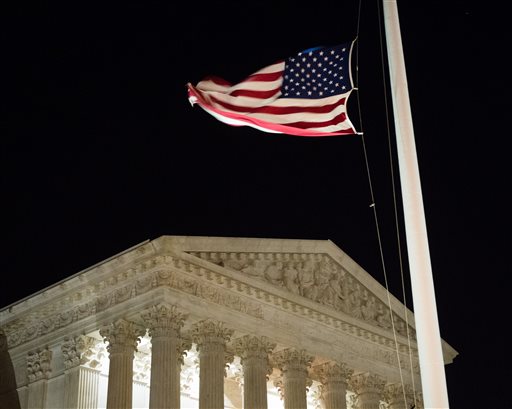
317 73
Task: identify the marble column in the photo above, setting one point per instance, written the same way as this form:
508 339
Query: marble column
368 389
211 338
254 353
123 337
164 325
294 381
80 382
38 371
334 378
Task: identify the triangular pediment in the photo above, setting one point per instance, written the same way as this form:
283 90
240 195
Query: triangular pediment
314 271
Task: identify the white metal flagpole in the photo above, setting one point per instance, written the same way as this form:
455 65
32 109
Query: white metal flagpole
433 380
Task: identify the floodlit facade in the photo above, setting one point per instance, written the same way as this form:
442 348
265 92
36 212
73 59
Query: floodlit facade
211 323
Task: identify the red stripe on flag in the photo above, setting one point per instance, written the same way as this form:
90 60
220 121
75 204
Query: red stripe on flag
254 94
306 125
280 110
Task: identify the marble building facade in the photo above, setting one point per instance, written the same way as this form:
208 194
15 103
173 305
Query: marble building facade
211 323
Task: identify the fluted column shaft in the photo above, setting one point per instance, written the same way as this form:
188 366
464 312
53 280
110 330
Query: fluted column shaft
369 390
334 378
165 323
210 338
123 337
294 383
335 395
254 354
81 388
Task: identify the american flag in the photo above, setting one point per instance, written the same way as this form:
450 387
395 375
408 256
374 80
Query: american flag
304 95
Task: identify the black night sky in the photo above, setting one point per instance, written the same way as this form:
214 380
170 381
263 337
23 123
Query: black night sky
101 149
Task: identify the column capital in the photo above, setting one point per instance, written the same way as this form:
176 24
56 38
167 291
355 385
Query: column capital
290 358
210 331
250 346
164 320
122 335
367 382
333 372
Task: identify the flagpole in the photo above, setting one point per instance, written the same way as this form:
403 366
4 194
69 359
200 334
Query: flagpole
433 380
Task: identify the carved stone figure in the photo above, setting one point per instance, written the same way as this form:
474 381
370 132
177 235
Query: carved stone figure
306 278
355 301
290 278
382 317
368 309
274 273
334 294
253 268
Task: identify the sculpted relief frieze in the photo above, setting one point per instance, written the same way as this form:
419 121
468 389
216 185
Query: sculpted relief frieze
313 276
181 282
22 331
